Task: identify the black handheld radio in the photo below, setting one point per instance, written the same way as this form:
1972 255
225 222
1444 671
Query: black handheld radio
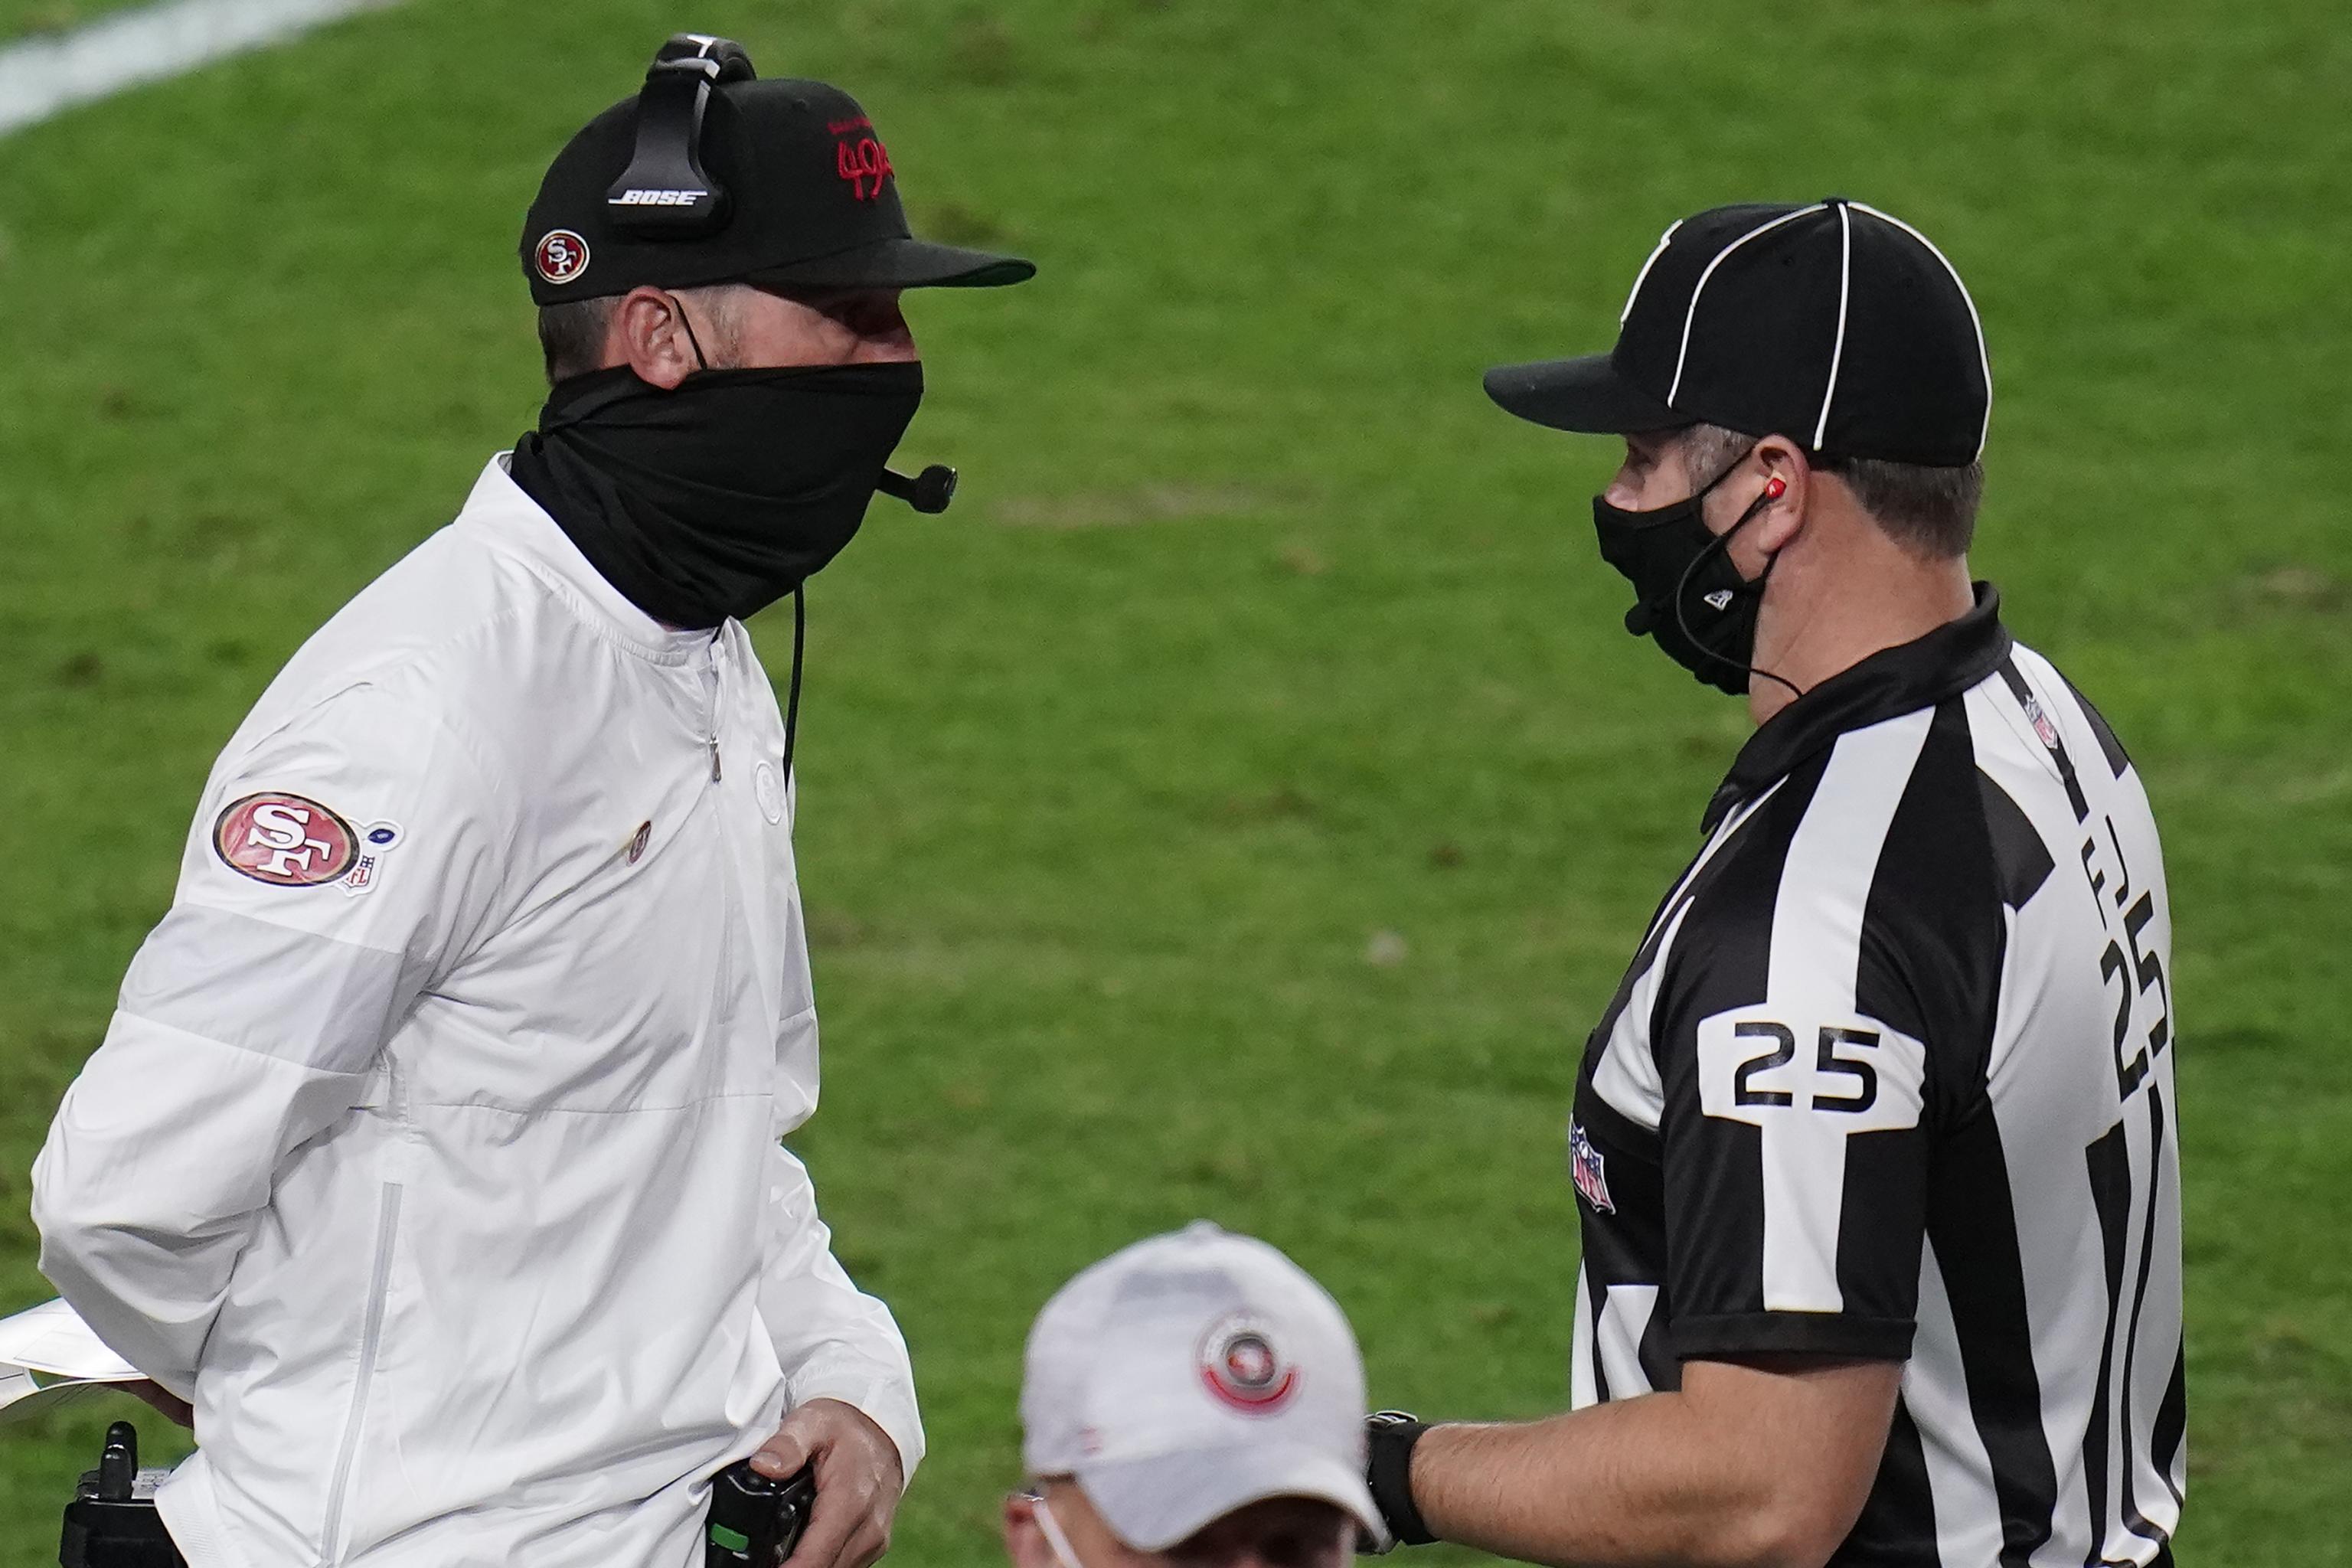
755 1521
112 1522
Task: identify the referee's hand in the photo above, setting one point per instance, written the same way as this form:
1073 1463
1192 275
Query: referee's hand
859 1480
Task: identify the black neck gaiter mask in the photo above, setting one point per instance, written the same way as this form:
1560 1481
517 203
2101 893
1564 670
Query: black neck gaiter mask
721 497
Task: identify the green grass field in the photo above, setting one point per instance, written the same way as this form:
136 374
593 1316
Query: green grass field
51 17
1260 646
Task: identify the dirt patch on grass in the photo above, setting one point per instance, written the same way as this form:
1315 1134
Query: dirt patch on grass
2302 588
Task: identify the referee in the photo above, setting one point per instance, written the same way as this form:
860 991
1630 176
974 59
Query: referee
1874 1147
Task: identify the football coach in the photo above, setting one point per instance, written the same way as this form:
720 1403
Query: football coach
1874 1147
433 1150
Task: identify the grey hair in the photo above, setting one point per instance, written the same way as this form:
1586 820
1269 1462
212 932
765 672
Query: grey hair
1931 511
1708 450
571 335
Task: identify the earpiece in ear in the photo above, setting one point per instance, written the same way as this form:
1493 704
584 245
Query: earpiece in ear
1775 488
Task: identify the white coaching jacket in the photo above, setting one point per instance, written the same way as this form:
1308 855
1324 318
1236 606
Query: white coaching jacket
433 1150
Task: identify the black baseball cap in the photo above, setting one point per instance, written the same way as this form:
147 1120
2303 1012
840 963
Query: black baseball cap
1834 324
810 200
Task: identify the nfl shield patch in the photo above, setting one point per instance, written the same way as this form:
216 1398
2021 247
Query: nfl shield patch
2043 727
1589 1170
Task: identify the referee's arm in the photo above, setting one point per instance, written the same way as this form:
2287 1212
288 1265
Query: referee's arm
1764 1462
1795 1145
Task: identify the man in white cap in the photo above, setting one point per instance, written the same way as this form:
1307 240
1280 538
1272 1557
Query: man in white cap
1194 1398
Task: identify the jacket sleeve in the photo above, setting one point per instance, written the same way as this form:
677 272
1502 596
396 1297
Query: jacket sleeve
835 1340
336 866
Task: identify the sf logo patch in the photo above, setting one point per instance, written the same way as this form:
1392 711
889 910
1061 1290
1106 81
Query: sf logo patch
562 257
1240 1365
284 840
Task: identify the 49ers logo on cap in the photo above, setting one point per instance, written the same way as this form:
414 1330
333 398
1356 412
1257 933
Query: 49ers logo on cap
562 255
858 158
284 840
1240 1365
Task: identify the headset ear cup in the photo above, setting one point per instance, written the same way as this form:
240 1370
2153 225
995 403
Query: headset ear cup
734 61
666 192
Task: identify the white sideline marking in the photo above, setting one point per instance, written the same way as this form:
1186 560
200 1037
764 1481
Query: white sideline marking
43 76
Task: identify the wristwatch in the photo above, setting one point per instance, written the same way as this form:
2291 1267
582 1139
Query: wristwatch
1390 1437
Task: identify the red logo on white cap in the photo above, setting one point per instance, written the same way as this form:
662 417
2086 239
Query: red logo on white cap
1240 1365
562 255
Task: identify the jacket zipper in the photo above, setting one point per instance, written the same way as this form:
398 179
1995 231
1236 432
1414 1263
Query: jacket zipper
731 906
371 1338
711 677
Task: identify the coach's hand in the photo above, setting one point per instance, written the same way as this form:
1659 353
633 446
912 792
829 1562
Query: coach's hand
859 1477
163 1399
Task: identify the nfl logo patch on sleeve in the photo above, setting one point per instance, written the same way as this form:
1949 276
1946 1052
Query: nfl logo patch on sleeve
376 840
1589 1170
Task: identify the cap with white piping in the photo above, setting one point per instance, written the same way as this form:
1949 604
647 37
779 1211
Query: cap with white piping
1192 1374
1833 324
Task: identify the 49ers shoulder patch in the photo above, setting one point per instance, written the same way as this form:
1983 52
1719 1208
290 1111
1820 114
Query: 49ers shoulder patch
285 840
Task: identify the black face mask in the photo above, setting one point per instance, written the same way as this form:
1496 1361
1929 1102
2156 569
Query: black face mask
1692 601
721 497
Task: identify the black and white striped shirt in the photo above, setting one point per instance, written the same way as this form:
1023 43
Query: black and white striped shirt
1891 1078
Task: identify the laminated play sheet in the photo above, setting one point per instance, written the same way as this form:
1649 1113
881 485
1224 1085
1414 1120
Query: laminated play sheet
48 1356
